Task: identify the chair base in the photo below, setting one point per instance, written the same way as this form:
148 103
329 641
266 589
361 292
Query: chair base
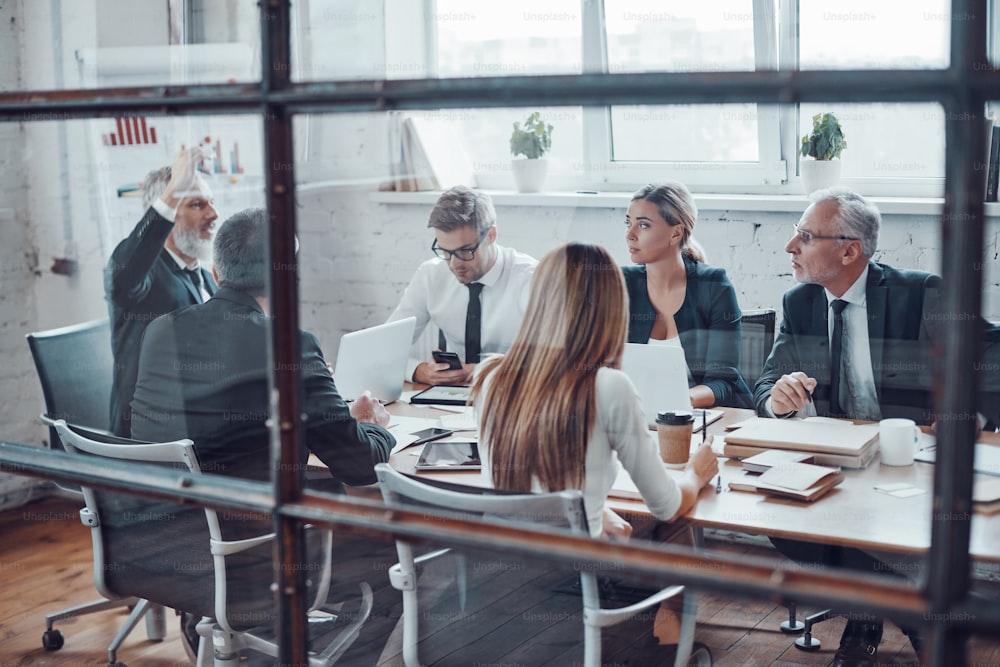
222 648
156 626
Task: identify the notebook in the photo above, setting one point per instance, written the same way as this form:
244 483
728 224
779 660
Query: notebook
800 481
374 359
659 373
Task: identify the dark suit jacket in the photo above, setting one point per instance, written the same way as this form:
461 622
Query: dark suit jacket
203 375
141 282
901 306
708 324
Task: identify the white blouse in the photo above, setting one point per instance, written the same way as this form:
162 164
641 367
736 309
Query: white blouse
619 437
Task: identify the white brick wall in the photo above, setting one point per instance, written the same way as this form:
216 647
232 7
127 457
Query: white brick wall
21 396
353 275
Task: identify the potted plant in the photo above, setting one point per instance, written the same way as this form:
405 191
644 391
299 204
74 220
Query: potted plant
532 140
824 145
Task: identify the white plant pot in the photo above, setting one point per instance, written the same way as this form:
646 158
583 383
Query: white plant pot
819 174
529 175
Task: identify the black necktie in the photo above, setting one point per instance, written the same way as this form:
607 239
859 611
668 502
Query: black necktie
836 355
473 324
194 275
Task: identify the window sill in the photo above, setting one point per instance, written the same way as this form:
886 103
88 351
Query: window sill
705 202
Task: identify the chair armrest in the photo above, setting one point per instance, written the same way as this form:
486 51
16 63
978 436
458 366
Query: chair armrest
602 618
225 548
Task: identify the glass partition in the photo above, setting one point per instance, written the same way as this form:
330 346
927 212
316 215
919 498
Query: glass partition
365 183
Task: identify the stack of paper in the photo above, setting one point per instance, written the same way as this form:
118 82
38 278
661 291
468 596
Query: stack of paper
831 442
986 494
769 458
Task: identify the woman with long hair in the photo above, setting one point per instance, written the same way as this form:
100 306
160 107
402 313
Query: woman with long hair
556 412
675 298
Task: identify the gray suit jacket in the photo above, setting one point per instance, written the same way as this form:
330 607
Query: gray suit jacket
203 374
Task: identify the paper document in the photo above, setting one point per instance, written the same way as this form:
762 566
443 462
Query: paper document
403 429
462 421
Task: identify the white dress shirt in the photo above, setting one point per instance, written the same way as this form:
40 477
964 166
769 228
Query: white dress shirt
435 296
858 397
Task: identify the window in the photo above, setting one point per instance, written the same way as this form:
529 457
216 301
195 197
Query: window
893 148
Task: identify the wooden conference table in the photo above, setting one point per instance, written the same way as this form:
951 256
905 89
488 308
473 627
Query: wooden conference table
853 514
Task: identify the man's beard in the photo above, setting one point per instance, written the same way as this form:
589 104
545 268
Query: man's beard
189 242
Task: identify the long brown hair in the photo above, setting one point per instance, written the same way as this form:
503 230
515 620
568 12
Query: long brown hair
541 404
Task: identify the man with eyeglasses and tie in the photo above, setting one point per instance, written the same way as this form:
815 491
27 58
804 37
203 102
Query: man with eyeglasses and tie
474 290
866 318
163 265
855 342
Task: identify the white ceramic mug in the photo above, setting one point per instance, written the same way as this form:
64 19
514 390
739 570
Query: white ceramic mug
897 441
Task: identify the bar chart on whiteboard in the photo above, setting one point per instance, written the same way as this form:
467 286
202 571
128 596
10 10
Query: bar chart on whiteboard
130 131
122 151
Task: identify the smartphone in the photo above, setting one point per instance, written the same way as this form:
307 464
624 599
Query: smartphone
428 434
450 358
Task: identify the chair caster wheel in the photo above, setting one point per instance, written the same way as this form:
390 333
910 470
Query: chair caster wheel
810 644
792 628
700 656
52 640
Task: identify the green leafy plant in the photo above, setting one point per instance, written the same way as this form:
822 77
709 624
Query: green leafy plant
826 140
533 140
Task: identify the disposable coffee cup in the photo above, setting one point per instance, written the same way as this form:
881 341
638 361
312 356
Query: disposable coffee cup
897 441
673 431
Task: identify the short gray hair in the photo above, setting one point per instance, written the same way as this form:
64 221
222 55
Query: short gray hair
462 206
240 251
154 185
856 216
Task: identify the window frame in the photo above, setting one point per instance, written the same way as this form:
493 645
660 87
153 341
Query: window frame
602 172
776 171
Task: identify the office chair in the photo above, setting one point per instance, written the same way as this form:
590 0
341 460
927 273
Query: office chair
563 509
75 368
758 337
215 565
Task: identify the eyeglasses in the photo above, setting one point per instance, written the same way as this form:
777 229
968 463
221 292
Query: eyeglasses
463 254
808 237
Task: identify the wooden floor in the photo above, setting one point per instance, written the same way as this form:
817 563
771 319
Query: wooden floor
512 614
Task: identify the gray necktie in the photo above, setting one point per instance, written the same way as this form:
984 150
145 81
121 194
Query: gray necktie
836 357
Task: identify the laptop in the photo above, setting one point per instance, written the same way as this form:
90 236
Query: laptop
659 373
374 359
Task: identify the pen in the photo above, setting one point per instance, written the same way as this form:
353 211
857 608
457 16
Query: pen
704 424
718 484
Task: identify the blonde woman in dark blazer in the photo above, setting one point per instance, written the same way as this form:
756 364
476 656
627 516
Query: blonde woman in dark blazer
675 298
